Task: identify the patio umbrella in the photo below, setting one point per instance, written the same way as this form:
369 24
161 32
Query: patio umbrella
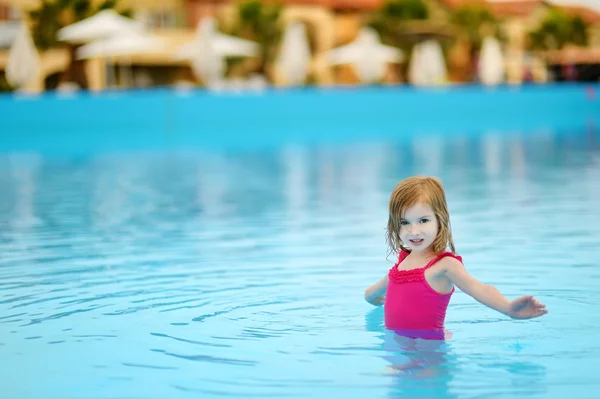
120 45
209 48
126 44
368 56
23 62
223 45
294 54
103 24
491 62
427 65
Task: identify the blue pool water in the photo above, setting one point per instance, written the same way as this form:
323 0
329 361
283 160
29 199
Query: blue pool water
224 271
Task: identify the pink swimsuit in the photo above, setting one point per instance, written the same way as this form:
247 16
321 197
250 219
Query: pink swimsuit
411 303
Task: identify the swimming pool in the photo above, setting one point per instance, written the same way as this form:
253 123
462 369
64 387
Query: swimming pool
137 269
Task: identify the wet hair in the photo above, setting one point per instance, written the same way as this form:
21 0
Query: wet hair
410 191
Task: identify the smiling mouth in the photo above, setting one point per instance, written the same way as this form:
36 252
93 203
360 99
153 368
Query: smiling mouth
416 241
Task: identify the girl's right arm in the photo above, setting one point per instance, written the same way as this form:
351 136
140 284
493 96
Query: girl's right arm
375 292
524 307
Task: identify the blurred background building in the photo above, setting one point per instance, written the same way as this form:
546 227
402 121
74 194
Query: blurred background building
513 42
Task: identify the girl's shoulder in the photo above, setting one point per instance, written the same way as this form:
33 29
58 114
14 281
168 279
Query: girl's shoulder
446 259
450 255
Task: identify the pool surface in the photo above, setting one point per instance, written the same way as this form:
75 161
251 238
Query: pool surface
238 271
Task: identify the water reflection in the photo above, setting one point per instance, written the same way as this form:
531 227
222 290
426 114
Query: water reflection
300 174
491 151
416 367
441 368
23 170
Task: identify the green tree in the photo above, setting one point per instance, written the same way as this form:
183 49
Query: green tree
259 22
392 19
557 30
51 16
475 22
405 10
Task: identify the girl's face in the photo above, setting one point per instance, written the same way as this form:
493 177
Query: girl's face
418 228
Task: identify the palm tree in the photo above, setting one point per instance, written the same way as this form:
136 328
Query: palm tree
259 22
51 16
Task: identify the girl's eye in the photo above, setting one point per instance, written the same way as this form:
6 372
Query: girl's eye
403 223
424 220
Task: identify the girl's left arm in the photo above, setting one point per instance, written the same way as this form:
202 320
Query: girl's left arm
525 307
375 294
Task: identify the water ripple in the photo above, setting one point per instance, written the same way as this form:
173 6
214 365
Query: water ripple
213 359
243 271
189 341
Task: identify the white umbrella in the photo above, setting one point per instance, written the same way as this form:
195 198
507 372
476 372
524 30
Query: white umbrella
23 62
125 44
491 62
230 46
433 58
223 45
209 48
427 65
368 56
103 24
119 45
208 65
294 54
416 74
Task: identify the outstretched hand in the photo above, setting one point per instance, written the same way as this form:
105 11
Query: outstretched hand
526 307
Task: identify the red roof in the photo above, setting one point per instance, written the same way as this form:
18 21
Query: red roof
460 3
338 4
355 4
587 14
519 8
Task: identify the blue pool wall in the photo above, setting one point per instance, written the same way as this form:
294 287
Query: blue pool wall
166 118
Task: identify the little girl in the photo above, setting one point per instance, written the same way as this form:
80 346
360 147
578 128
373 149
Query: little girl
417 289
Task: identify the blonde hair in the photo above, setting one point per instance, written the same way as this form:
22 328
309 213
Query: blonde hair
429 191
